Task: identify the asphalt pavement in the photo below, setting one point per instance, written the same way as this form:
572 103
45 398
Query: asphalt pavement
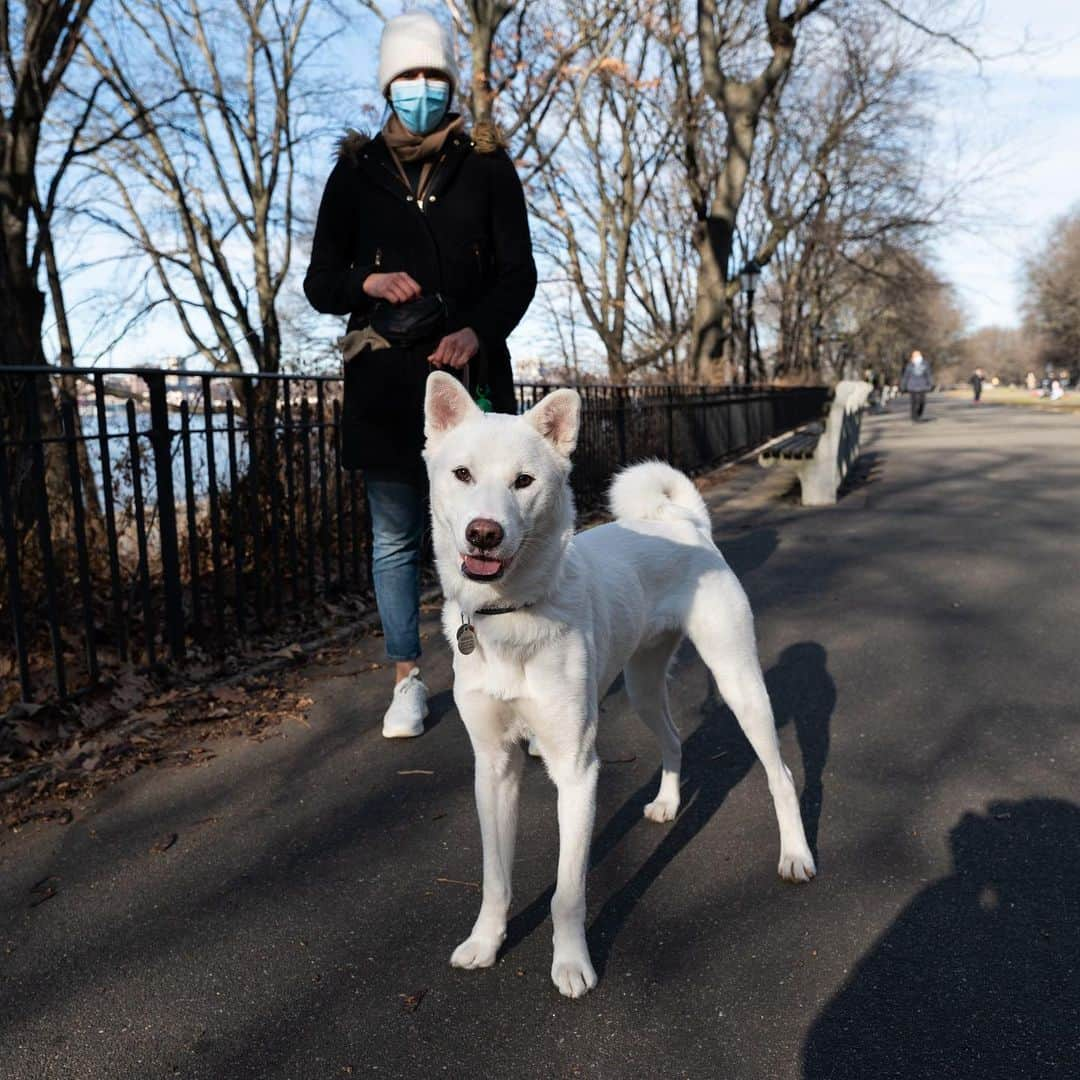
920 645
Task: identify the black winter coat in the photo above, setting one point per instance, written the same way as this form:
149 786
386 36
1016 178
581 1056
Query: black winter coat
469 241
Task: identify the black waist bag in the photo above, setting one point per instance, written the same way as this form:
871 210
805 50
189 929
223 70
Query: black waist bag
404 325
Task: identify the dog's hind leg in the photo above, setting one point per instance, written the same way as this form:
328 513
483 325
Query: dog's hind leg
646 686
498 779
726 644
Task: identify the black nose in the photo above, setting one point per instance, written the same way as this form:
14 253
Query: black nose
484 533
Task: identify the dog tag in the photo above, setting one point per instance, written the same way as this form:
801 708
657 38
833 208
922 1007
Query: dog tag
466 638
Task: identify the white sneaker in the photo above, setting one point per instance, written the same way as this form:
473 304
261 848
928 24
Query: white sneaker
405 717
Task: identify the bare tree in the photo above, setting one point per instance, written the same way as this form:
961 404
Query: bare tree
841 175
37 44
1052 293
1006 352
722 33
616 130
35 51
479 21
205 194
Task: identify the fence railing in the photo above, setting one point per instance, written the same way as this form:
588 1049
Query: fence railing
147 514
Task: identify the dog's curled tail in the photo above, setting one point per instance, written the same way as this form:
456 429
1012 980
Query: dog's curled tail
654 491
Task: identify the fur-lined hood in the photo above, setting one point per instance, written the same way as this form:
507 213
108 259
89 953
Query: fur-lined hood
485 137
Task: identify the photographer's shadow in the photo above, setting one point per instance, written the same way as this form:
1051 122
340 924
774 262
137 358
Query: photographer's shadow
979 977
716 757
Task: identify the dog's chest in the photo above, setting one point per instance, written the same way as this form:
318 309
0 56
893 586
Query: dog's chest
492 672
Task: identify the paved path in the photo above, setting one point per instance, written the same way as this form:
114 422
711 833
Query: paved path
921 648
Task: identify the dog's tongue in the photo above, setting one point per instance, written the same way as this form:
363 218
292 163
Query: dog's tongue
481 566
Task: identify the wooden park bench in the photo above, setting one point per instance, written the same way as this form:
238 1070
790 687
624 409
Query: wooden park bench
822 452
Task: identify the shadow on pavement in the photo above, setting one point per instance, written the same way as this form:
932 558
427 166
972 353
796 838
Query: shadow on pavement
750 550
868 469
980 975
716 757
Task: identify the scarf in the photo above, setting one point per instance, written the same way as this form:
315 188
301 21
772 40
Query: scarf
405 145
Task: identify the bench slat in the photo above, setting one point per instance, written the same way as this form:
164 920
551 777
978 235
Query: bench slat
797 447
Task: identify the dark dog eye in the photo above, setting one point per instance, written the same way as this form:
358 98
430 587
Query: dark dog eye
523 480
463 475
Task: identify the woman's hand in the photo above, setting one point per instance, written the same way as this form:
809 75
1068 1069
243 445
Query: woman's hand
456 350
398 287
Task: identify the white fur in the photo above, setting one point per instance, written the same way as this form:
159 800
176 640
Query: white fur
617 598
654 491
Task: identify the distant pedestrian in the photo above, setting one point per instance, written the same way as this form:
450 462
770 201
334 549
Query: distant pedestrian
976 381
915 382
878 395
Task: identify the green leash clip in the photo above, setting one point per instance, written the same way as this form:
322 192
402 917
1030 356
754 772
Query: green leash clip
483 398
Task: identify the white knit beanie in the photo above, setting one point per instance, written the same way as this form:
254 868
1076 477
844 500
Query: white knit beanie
414 40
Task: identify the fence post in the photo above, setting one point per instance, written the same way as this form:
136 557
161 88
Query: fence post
621 401
11 548
120 625
161 442
41 490
671 423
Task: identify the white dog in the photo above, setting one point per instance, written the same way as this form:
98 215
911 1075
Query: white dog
542 621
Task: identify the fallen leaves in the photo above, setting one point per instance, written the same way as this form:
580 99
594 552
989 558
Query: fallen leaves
49 756
166 842
294 651
411 1002
229 695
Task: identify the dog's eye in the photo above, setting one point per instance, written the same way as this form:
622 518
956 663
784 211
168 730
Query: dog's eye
523 480
463 475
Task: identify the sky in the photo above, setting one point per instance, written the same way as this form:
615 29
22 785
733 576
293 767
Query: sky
1018 124
1009 134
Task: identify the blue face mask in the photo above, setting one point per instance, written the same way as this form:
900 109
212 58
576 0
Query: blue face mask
420 103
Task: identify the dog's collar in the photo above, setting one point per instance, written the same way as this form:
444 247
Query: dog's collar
466 632
501 610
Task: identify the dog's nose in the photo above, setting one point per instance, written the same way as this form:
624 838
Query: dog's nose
484 533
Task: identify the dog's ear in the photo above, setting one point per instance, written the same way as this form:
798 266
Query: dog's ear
556 417
446 404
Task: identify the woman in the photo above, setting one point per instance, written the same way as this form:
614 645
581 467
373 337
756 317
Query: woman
917 381
422 239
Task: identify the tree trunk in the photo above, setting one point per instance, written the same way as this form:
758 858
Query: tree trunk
22 312
480 92
712 311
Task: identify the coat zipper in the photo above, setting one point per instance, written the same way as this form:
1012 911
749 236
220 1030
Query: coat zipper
431 235
430 183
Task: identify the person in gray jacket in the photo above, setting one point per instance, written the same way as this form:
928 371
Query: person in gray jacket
916 381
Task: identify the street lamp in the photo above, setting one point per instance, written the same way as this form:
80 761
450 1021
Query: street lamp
748 278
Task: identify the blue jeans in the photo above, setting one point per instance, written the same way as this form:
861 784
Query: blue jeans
397 530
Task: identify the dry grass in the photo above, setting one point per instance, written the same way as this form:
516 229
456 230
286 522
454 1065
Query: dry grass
1003 395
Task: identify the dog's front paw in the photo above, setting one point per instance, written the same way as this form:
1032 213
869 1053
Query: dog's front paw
797 867
573 976
662 809
476 952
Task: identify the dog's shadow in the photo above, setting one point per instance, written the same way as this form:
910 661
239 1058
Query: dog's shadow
716 757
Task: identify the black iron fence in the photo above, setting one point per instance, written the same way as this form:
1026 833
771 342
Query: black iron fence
148 514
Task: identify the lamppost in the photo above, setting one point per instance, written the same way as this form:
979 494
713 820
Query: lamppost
748 277
831 337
